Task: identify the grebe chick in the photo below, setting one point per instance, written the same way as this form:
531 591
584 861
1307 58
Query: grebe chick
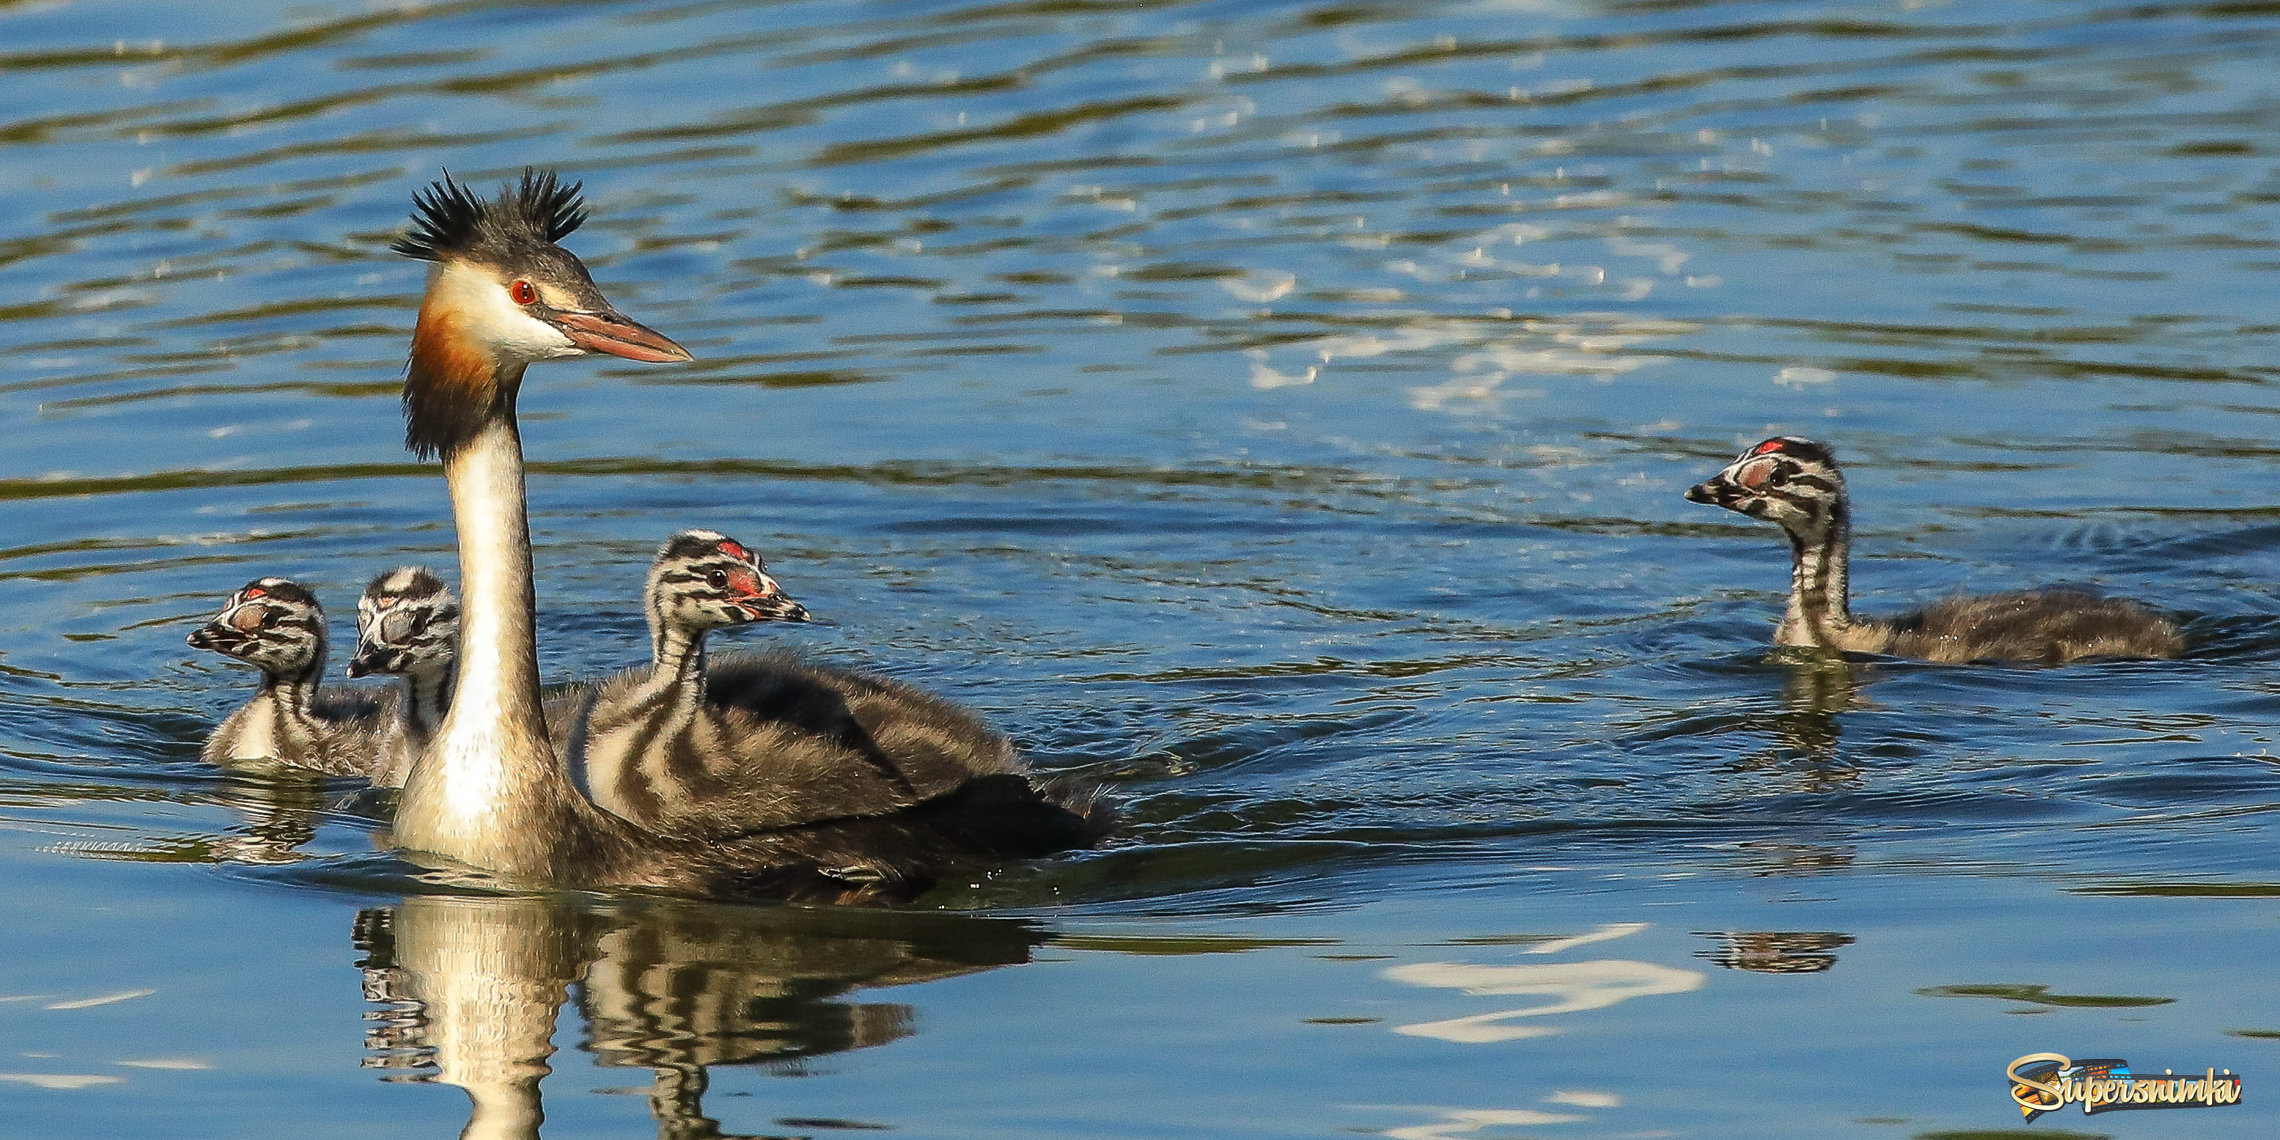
781 743
407 626
1795 482
276 626
491 791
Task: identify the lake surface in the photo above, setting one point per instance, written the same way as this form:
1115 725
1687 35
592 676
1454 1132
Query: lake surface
1277 413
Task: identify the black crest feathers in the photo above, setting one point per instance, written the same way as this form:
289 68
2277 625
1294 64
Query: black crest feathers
448 219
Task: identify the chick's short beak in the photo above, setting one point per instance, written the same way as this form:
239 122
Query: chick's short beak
216 636
771 603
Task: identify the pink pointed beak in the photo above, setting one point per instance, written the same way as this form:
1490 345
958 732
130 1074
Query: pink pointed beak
616 334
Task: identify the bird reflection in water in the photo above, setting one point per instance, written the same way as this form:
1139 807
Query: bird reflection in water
1803 758
1793 857
469 988
280 811
1775 951
1806 730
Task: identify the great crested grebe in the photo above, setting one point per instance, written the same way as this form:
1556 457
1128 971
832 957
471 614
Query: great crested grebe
407 626
491 791
753 742
1795 482
277 627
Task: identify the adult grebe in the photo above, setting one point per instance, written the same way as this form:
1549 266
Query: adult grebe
490 791
1795 482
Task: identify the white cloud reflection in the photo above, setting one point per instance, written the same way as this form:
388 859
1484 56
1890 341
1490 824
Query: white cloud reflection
1573 987
1463 1122
1569 987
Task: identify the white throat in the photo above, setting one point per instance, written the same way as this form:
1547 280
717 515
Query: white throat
492 746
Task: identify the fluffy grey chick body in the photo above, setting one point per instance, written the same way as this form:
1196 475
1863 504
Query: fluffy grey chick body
276 626
1795 483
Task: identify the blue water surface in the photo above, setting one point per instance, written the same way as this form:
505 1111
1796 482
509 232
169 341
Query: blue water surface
1276 413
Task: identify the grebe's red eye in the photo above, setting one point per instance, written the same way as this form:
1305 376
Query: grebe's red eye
523 293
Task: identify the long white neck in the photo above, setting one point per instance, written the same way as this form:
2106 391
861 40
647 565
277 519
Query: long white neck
489 779
498 644
489 975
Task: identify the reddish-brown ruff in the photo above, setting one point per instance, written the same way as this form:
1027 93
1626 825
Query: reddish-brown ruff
451 386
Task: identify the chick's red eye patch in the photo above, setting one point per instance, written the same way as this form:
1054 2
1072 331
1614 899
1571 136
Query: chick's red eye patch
1754 476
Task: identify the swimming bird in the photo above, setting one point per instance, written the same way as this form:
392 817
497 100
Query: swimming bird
687 747
276 625
407 626
491 791
1795 482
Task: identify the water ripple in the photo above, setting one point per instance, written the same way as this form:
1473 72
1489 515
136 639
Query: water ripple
1278 413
